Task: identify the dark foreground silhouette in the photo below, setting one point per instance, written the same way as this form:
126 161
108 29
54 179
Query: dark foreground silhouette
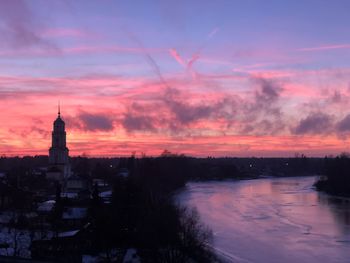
143 215
140 214
337 176
127 204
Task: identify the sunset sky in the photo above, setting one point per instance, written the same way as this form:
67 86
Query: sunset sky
203 78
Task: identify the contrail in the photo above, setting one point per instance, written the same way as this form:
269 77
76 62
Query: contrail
173 52
213 32
150 60
196 55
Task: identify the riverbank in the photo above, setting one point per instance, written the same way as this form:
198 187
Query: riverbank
326 187
337 176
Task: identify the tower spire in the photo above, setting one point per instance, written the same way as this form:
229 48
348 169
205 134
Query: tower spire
59 109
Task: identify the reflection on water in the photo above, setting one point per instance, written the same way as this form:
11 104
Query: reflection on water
340 208
273 220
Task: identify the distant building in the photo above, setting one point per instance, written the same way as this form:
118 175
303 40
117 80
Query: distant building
68 245
59 167
123 172
76 188
74 216
76 184
46 207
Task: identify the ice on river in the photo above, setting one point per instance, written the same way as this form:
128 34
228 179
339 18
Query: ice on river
273 220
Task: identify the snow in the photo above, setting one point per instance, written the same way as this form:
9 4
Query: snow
70 195
9 236
68 233
106 194
46 206
23 238
131 256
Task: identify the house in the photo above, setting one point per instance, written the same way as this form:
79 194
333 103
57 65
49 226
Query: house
54 174
46 207
76 184
101 184
67 246
106 196
74 216
76 188
69 195
123 172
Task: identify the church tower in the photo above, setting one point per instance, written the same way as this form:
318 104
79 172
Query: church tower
58 153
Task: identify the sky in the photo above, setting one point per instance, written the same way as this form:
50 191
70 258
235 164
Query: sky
201 78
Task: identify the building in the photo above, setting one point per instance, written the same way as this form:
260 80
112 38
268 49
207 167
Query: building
76 188
77 184
74 217
59 167
65 247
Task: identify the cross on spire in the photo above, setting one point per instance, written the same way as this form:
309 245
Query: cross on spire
59 109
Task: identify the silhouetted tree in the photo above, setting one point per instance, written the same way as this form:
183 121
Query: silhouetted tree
337 172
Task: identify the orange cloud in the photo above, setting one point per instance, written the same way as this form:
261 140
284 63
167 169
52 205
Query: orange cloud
114 115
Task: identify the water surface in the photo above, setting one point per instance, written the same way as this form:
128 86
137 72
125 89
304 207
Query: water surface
273 220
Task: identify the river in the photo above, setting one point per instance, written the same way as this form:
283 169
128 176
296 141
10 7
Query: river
272 220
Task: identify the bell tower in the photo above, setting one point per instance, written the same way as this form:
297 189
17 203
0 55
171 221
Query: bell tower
58 152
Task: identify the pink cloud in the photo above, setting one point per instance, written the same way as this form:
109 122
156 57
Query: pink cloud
298 90
67 32
327 47
139 113
177 56
188 65
275 146
109 49
271 74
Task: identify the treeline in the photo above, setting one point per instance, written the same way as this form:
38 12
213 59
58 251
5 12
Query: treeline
178 168
190 169
337 176
143 215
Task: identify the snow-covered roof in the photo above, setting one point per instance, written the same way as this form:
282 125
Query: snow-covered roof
69 194
46 206
123 174
68 233
106 194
